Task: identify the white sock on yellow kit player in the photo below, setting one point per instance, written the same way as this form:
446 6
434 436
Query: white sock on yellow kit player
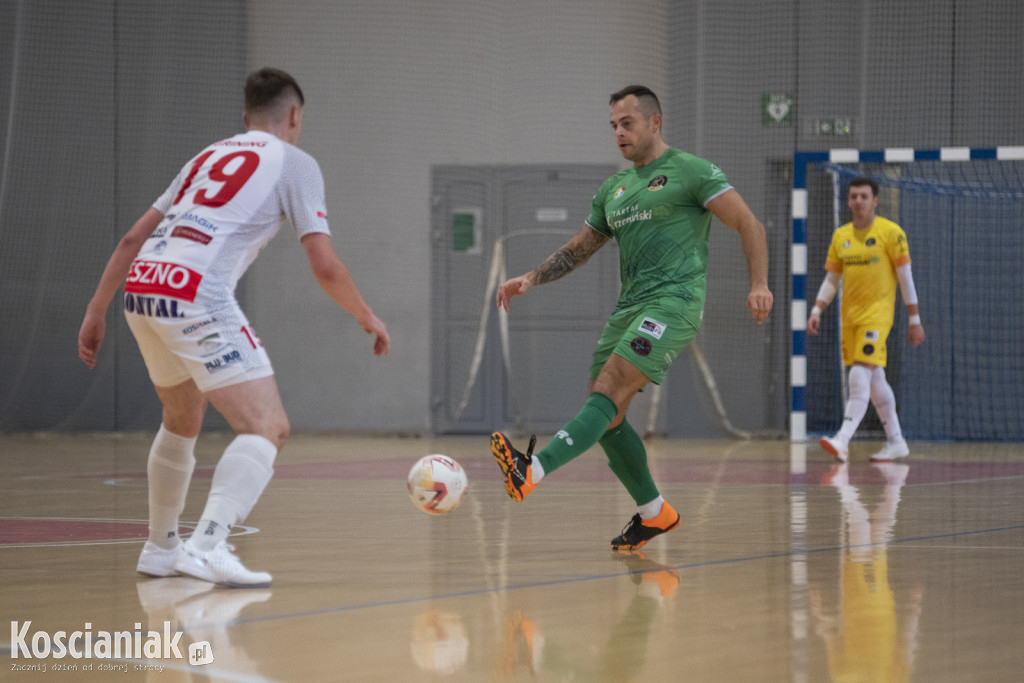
885 405
857 404
169 471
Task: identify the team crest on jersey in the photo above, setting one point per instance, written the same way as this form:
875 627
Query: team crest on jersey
657 183
870 242
619 192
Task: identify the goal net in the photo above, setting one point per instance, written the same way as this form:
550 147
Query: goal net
963 212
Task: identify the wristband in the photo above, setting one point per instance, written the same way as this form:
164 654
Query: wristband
915 319
815 311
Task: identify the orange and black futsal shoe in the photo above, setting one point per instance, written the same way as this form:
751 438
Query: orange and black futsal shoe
514 465
639 530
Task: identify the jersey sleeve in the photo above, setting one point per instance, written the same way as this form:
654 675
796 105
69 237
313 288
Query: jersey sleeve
597 219
166 200
833 263
303 193
709 181
899 250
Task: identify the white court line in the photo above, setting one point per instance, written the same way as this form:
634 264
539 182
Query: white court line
241 531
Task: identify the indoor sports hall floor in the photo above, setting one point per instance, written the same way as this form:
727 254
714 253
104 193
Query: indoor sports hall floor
786 567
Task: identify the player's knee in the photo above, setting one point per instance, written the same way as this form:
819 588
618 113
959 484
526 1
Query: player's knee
280 431
275 429
860 381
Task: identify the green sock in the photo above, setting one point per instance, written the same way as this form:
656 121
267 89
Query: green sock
627 458
579 434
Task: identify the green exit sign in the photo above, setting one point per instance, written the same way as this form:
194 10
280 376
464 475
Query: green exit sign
837 126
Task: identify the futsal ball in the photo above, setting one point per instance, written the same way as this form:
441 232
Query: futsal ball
437 484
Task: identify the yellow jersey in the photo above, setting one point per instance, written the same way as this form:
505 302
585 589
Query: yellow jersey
867 260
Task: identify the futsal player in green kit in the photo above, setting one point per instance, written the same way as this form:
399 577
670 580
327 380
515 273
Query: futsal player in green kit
660 212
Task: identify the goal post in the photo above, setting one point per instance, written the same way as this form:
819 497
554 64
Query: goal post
963 211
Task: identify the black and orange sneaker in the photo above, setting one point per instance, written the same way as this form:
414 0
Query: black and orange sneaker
639 531
514 465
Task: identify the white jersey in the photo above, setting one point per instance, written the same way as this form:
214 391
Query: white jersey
224 206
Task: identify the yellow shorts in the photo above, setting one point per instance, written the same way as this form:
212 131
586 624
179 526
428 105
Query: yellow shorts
865 344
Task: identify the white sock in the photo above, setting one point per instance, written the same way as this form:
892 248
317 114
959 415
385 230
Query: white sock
885 405
169 471
857 404
652 509
536 470
241 475
208 534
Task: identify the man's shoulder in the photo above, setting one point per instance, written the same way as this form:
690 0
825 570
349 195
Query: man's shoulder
695 171
300 154
678 157
887 225
843 232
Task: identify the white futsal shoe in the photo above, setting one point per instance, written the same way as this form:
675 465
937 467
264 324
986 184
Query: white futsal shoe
219 566
839 449
156 561
892 451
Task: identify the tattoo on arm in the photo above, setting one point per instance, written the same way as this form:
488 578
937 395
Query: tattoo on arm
569 257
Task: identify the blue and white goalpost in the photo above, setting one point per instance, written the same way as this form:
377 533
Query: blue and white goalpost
983 188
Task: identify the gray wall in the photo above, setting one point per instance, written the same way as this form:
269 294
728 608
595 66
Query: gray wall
101 102
393 89
108 100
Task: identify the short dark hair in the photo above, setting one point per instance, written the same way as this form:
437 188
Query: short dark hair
267 87
645 98
862 180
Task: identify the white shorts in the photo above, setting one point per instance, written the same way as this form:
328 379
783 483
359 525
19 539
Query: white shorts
180 341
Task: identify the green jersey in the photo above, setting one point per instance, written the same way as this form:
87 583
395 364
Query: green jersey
657 214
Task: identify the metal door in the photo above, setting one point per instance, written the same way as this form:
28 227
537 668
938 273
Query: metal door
493 222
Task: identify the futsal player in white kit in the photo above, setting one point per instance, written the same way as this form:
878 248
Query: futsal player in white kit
180 263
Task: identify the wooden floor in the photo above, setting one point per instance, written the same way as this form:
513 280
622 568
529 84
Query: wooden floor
786 567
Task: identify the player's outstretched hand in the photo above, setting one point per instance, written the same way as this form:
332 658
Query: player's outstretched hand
760 301
90 338
916 335
382 343
814 323
517 286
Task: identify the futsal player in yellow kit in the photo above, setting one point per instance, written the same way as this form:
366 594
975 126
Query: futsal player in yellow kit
871 255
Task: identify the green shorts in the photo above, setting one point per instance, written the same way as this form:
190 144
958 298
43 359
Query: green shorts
649 336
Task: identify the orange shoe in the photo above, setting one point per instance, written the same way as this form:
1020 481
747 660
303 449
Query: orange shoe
639 530
514 465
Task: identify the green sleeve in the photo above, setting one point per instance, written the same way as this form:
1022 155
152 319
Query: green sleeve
597 219
710 181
